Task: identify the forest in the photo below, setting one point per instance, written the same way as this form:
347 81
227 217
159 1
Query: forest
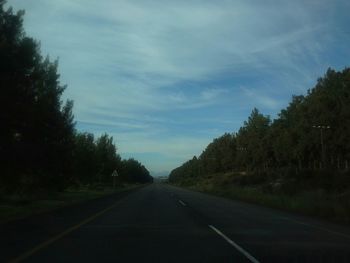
40 148
306 147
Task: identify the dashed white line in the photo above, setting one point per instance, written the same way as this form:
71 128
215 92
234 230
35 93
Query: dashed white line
181 202
240 249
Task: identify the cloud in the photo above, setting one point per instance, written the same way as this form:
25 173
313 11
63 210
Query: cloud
166 76
260 99
212 94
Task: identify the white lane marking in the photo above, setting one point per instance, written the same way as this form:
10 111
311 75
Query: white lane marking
317 227
240 249
181 202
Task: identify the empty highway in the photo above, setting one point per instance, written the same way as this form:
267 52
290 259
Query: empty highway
162 223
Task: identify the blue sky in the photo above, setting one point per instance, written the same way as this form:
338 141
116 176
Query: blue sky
166 77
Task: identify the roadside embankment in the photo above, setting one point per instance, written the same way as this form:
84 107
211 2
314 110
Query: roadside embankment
285 194
17 206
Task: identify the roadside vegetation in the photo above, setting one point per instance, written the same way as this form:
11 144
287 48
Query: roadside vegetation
42 155
298 161
18 206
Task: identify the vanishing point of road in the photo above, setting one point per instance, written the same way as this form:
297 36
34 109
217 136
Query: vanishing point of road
162 223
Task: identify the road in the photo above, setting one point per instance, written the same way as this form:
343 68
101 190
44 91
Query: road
162 223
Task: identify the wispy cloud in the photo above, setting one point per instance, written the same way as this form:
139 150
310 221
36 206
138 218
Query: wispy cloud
260 99
152 71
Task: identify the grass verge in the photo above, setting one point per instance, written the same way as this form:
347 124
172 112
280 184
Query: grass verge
16 207
333 206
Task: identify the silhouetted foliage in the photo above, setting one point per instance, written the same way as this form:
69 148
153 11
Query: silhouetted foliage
39 147
37 127
96 160
133 171
309 139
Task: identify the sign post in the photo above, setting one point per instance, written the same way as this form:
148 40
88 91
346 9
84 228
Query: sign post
114 175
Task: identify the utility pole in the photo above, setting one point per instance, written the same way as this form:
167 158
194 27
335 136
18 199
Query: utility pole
321 128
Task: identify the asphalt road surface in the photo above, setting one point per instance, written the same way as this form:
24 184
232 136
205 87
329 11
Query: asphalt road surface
161 223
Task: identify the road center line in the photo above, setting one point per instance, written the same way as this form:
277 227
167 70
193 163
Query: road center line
240 249
59 236
181 202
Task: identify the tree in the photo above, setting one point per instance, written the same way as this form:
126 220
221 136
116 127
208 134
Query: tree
133 171
37 135
220 155
311 133
106 157
252 141
84 157
39 147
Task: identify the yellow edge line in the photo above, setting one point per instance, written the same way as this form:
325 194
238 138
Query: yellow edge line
59 236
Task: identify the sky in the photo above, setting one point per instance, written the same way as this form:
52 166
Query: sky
166 77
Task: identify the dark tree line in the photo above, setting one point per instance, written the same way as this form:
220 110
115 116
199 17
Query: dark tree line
39 146
94 160
311 135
